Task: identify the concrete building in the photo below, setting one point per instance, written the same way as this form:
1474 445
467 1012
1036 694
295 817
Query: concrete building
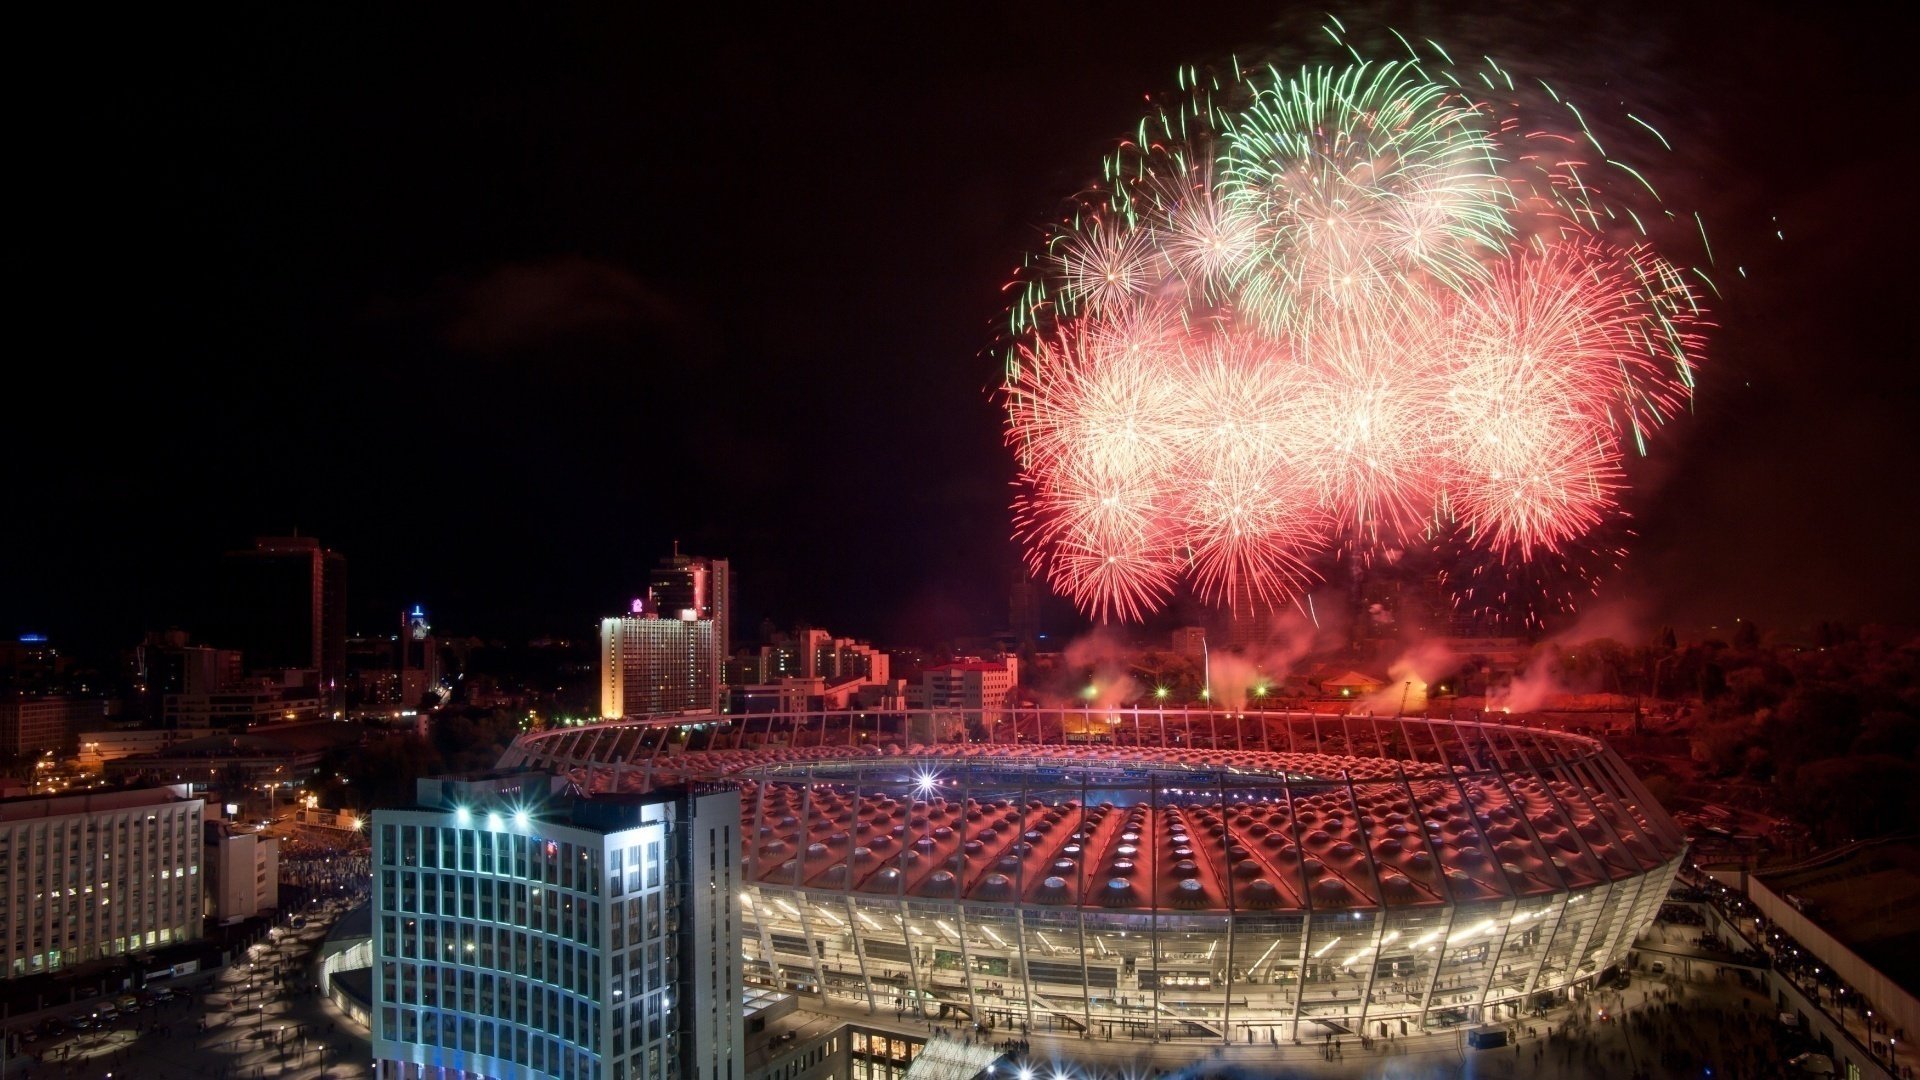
811 653
254 701
243 872
977 692
650 666
99 747
32 723
84 877
1190 641
519 931
275 754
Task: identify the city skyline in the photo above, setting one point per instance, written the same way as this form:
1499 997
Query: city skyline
504 395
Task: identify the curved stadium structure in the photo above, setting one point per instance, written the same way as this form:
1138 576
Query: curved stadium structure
1263 876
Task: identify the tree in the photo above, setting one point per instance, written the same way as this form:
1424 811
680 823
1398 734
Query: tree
1713 681
1850 798
1894 734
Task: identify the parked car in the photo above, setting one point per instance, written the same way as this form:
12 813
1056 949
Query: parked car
127 1003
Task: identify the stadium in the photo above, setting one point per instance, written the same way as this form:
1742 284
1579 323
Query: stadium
1166 873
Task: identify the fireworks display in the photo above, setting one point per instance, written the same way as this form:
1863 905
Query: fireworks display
1376 307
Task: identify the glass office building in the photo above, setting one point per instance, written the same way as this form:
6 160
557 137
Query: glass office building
520 931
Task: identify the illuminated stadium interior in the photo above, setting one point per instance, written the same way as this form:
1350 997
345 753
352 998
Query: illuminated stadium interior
1298 876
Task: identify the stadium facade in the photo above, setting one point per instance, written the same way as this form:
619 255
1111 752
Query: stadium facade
1245 877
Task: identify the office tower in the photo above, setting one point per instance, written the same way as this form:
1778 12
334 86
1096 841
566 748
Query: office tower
285 606
521 931
697 584
111 873
419 657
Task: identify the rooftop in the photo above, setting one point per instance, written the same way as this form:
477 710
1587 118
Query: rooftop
28 807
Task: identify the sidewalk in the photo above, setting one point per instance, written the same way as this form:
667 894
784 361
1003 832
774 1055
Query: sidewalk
260 1021
1571 1044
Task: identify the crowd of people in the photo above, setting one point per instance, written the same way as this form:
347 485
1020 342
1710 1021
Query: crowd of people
327 874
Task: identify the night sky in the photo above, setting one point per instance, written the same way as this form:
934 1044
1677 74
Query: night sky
502 305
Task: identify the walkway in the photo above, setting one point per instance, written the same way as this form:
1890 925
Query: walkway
259 1018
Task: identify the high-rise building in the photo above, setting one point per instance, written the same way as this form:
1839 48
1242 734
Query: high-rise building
97 875
669 653
285 606
809 653
700 585
651 666
419 657
523 932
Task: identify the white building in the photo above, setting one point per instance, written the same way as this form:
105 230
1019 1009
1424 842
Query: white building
521 933
243 873
976 692
651 666
89 876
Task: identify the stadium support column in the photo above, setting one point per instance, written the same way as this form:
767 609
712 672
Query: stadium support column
799 879
1080 829
959 892
1306 915
1156 833
846 886
906 931
1426 999
593 757
1380 909
1226 1007
761 903
1020 906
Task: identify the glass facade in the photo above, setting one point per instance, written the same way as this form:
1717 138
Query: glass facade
510 946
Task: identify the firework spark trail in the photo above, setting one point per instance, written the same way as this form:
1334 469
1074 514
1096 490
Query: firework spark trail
1352 309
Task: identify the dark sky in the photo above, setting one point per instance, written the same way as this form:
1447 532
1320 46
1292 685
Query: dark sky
500 305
